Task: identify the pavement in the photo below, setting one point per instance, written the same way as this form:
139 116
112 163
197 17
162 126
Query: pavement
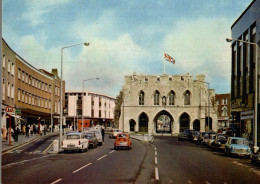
142 137
23 140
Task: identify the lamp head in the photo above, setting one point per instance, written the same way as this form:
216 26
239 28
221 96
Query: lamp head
228 39
86 43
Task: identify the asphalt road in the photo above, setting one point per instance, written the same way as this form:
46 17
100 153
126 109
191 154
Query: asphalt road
165 160
183 162
100 165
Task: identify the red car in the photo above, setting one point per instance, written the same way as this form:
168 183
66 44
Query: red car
123 141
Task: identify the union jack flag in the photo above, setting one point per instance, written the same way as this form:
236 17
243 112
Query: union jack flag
169 58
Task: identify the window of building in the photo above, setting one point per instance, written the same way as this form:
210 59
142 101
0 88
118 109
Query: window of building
171 98
43 87
3 90
22 75
170 78
9 66
39 84
19 73
30 80
33 99
146 79
8 89
46 103
187 98
19 95
22 96
141 98
49 104
39 102
12 91
30 98
156 97
99 113
25 97
3 61
33 80
26 78
12 68
158 78
46 87
49 88
163 100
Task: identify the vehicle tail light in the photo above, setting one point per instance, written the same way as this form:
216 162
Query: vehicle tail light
79 142
90 141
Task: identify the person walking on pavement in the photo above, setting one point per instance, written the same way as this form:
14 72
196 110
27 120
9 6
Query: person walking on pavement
11 132
4 132
23 129
27 131
103 133
16 133
45 129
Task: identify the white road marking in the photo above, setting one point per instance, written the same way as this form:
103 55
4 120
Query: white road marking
155 160
16 163
155 153
56 181
155 148
189 181
156 174
44 152
102 157
81 168
111 151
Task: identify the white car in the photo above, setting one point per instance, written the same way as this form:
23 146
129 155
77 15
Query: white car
75 142
98 135
114 133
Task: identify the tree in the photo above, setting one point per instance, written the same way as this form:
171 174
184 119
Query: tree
117 111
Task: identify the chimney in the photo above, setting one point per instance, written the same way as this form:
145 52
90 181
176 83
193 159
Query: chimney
54 71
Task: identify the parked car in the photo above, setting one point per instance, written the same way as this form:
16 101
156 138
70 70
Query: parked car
185 135
237 146
220 141
113 133
122 141
98 135
195 136
92 139
211 138
202 137
75 142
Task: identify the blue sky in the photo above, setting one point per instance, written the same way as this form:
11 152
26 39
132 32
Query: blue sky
125 37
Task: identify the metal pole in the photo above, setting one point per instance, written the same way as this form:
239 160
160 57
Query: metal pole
256 95
61 98
82 107
208 106
51 112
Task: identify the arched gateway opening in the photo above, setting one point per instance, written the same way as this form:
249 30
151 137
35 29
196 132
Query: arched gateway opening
132 125
163 122
184 122
143 123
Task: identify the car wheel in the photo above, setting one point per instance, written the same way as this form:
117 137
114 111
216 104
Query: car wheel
115 148
100 144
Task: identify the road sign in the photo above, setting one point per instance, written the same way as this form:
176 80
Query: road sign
18 111
9 109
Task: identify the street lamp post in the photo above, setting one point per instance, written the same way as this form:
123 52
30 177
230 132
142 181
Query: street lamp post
256 87
82 100
61 86
208 99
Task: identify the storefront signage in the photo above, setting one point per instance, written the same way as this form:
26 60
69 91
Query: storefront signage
9 109
18 111
247 115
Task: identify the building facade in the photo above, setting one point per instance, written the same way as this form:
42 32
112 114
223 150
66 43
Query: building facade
167 104
223 112
33 93
97 108
243 71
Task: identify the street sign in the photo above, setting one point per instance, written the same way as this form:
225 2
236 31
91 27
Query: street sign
9 109
18 111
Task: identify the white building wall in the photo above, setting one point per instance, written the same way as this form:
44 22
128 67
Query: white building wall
102 107
72 105
96 106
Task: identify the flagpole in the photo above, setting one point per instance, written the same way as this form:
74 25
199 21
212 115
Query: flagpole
164 67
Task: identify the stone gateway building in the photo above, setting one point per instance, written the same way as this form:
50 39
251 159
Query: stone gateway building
167 104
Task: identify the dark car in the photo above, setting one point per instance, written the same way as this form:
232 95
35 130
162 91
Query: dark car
202 137
220 141
194 136
185 135
92 139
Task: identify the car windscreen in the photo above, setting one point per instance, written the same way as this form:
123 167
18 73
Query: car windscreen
73 137
239 141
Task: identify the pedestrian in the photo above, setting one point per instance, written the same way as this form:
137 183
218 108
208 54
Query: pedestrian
11 134
4 133
23 129
45 129
27 131
103 133
16 133
34 129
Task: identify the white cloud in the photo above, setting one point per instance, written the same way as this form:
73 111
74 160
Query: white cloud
199 47
38 8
